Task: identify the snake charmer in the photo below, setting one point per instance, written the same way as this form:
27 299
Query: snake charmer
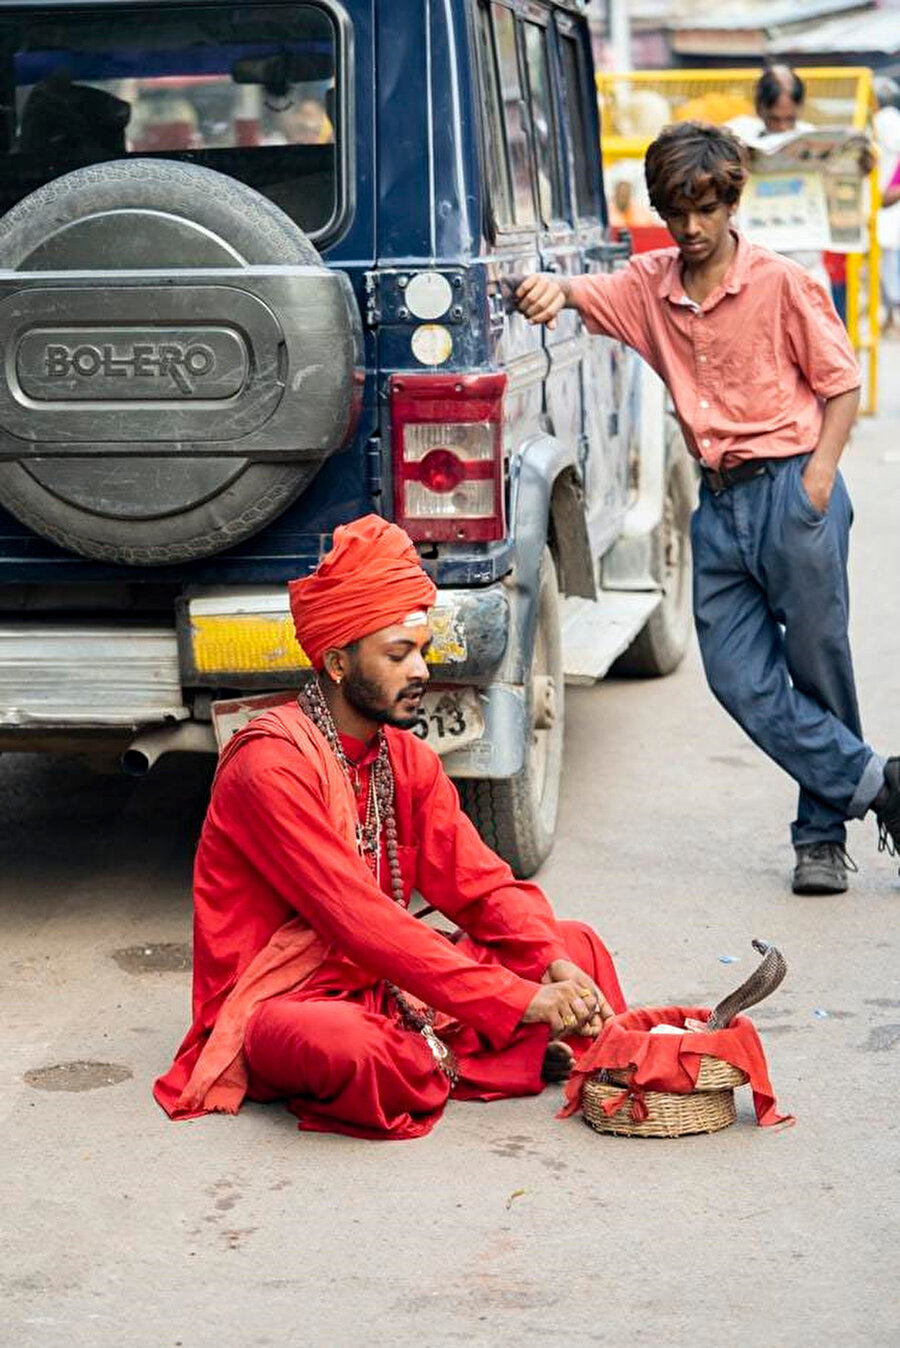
313 982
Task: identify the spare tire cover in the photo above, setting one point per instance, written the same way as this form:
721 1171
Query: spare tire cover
157 214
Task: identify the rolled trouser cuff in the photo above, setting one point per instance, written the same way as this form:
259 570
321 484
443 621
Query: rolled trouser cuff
867 788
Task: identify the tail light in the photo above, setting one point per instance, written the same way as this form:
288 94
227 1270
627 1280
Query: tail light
447 435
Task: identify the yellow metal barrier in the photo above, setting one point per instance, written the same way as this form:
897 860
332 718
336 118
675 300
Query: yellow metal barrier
636 104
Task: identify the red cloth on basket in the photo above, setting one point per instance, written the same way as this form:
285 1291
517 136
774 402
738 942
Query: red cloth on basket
670 1062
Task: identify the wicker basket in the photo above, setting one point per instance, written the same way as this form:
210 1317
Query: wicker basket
706 1109
668 1114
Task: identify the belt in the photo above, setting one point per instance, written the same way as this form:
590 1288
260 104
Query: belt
718 480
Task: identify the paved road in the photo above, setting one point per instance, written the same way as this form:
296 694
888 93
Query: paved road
504 1226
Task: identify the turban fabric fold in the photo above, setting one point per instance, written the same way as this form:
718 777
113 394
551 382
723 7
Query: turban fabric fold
370 579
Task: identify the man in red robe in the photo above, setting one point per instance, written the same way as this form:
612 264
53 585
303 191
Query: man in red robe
313 983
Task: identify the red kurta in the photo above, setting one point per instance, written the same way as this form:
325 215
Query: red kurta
334 1047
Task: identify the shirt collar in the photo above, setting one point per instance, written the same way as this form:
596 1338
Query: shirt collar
736 276
671 287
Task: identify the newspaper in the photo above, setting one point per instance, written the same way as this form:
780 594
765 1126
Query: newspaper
806 190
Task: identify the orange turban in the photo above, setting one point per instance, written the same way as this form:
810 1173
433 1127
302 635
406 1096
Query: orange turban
371 578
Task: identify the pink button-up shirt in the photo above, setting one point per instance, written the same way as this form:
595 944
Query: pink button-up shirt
749 368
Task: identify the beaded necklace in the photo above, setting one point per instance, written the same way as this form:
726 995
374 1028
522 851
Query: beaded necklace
379 814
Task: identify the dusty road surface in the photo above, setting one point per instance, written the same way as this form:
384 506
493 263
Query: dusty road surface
121 1230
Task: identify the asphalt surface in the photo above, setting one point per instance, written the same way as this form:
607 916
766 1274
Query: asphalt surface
505 1226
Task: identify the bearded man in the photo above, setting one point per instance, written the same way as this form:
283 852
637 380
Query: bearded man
313 983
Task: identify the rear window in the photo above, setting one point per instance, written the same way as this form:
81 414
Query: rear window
250 90
515 116
578 92
543 122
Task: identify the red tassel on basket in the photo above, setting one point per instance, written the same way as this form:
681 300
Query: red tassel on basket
639 1110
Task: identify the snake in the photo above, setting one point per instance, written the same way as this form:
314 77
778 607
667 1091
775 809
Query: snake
761 983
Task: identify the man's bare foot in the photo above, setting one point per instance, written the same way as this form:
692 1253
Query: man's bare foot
558 1062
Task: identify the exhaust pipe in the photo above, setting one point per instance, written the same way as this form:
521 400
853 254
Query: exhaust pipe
189 737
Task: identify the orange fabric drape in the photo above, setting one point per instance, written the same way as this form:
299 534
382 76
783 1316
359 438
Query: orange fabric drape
215 1067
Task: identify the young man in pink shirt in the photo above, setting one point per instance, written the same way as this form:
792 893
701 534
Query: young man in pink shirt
766 387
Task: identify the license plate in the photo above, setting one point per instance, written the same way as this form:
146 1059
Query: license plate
449 718
231 715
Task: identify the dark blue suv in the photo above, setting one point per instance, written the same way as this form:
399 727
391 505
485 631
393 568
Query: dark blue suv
257 261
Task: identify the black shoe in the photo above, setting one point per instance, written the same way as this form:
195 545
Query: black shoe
821 868
887 809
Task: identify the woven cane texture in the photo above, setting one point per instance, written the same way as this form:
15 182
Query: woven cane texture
716 1075
668 1114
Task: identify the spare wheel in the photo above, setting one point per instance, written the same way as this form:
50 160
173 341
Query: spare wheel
179 361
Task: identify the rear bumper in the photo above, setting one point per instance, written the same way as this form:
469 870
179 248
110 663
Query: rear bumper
87 677
501 750
245 639
106 677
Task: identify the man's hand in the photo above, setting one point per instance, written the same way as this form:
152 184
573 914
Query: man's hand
818 483
569 1002
564 1009
540 298
822 466
561 971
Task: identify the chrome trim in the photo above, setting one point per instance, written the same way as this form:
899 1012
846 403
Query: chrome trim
88 676
524 371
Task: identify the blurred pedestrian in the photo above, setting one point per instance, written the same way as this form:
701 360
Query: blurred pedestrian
625 208
779 97
887 133
890 259
766 387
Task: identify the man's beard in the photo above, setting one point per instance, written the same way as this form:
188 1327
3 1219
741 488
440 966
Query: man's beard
369 699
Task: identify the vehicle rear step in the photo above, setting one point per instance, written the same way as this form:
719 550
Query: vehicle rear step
595 632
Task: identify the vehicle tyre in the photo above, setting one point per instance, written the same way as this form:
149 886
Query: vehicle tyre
516 816
141 508
660 646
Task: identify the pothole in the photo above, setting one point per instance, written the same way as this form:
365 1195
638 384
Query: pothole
154 957
77 1076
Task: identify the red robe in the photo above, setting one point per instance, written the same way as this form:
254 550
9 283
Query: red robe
273 851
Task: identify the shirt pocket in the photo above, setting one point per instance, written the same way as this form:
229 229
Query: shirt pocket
747 369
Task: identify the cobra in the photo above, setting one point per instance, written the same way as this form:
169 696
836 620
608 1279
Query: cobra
761 983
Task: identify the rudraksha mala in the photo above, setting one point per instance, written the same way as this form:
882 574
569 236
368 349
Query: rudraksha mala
379 813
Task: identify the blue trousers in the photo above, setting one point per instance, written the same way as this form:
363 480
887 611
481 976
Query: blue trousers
771 605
